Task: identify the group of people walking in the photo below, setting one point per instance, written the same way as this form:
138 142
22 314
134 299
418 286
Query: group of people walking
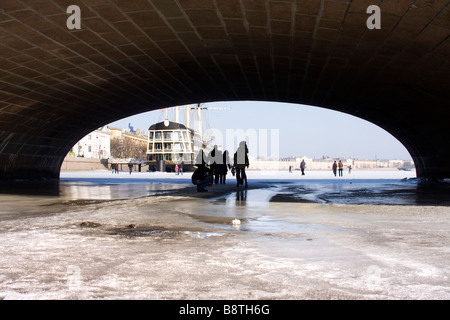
213 168
115 167
179 168
338 166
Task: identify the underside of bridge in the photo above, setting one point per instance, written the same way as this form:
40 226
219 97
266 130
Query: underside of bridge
56 84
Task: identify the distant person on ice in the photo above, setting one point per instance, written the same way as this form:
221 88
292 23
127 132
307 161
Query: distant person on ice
115 167
302 167
130 166
334 168
341 168
240 162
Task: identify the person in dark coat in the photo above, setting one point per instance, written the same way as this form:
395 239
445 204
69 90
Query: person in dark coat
222 168
214 161
240 163
202 177
115 167
334 168
302 167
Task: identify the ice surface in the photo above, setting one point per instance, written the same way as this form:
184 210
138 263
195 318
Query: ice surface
185 247
103 175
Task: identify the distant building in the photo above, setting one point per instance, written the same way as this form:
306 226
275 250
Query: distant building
136 136
96 144
128 143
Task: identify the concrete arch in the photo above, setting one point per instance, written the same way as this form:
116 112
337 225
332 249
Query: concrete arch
134 56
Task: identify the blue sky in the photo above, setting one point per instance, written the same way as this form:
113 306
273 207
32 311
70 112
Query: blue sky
302 130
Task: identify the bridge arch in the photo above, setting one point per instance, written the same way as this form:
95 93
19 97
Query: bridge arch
56 84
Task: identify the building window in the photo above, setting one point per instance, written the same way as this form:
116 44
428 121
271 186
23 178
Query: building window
168 135
167 146
178 146
178 136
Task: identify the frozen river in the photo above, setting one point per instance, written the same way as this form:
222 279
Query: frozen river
368 235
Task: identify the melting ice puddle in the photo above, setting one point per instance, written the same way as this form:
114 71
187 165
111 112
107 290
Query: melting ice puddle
203 235
170 235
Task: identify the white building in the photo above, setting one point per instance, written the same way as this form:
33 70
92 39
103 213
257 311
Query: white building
96 144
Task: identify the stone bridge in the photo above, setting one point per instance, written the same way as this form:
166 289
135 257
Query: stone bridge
58 82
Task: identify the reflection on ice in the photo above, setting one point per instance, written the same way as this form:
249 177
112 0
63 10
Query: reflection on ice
76 190
241 205
249 198
377 192
317 187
